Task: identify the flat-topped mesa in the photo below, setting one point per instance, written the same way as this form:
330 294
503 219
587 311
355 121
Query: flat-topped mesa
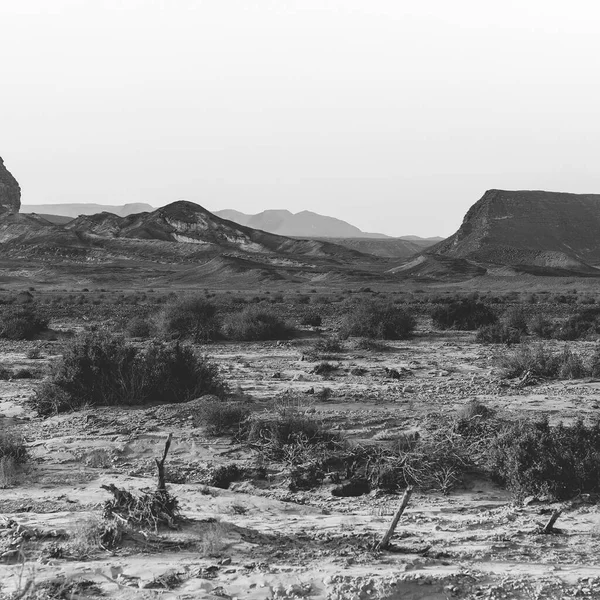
10 191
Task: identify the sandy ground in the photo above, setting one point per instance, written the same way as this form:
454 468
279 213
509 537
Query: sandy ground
261 541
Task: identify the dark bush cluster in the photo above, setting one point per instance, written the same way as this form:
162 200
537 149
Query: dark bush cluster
378 320
191 318
22 323
498 333
535 458
105 370
540 361
254 323
465 315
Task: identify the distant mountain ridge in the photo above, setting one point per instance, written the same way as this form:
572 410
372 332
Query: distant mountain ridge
74 210
303 224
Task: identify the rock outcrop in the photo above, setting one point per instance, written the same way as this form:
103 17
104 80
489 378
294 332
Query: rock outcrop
10 191
531 230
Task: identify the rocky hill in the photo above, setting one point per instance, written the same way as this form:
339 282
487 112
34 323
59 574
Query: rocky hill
531 231
10 191
178 243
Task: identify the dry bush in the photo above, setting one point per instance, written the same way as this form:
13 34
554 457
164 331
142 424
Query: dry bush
378 320
100 369
13 457
498 333
191 318
290 435
541 362
534 458
146 511
22 323
86 537
213 540
467 314
311 318
220 417
255 324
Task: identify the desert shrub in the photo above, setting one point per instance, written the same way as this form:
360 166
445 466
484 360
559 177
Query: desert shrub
22 323
255 324
542 362
467 315
139 327
542 327
539 361
220 417
34 354
378 320
371 345
191 318
581 325
290 435
26 373
324 368
223 476
13 455
100 369
311 318
328 345
571 365
474 409
514 318
535 458
438 462
12 446
306 477
498 333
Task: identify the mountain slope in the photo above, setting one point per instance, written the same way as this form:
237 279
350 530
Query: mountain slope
534 231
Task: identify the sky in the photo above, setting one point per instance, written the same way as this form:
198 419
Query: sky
395 116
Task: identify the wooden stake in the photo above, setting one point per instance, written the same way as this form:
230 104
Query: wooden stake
385 540
549 527
160 465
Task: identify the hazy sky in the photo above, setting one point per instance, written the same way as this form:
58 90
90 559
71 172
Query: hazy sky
393 115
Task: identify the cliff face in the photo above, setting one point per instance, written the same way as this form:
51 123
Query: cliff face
529 228
10 191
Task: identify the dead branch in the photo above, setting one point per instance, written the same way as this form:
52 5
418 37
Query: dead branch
549 527
385 541
160 464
